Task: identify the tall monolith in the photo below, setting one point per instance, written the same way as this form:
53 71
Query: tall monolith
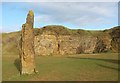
27 53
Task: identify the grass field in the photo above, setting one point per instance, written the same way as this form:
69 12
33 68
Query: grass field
81 67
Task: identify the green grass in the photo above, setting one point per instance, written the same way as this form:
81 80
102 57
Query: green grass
80 67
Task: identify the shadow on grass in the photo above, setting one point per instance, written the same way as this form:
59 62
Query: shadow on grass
117 69
106 60
17 64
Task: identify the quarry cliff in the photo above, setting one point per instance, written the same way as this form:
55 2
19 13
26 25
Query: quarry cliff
60 40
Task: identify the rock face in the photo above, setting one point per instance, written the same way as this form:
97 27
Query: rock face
115 35
46 44
62 41
27 45
65 44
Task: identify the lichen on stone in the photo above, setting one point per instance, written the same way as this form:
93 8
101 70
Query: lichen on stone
31 13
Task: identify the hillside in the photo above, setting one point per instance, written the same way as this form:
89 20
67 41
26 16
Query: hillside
60 40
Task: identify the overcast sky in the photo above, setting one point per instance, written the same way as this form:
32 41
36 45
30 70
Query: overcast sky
74 15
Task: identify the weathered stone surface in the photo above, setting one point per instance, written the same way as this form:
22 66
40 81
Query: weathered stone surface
46 44
115 36
100 46
57 40
27 45
50 43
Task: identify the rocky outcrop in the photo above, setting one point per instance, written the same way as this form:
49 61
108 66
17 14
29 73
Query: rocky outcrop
27 45
65 44
100 46
46 44
76 44
52 42
115 36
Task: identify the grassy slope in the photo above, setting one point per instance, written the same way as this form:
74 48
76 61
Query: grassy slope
94 67
10 42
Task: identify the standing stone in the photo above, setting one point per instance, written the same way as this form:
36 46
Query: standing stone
27 45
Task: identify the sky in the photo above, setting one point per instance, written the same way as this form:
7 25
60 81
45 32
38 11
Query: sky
74 15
